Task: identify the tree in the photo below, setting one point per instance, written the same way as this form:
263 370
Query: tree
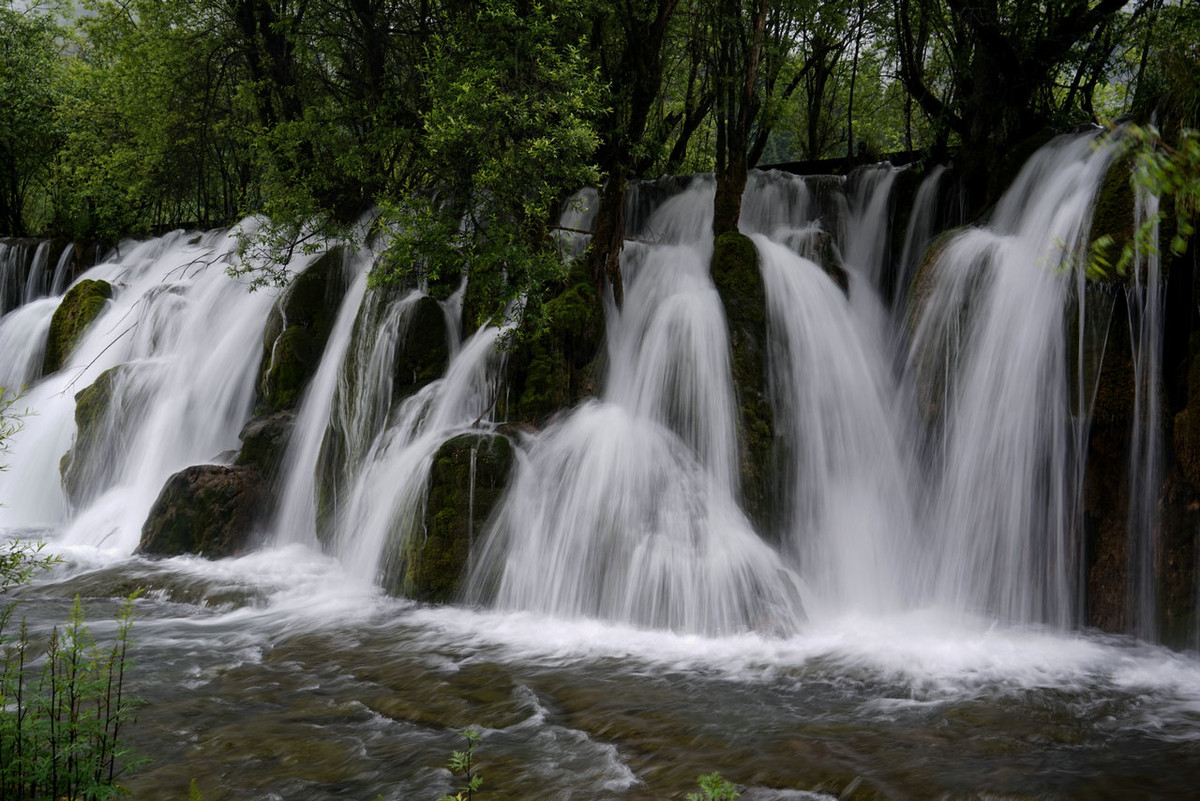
509 130
989 72
30 67
629 41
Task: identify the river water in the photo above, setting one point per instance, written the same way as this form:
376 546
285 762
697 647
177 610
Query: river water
279 676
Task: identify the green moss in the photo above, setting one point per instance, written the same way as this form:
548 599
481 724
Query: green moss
735 272
92 407
297 330
292 361
736 275
79 307
208 510
425 351
552 369
433 567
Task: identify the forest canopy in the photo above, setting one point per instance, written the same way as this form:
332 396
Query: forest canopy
463 126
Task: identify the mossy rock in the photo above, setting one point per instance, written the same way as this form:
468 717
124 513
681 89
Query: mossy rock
293 360
85 462
454 517
553 369
1176 565
736 274
297 330
424 353
207 509
821 249
78 309
1114 214
265 442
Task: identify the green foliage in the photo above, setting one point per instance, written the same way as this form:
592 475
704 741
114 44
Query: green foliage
509 130
714 788
30 71
18 563
61 722
62 703
463 763
1169 171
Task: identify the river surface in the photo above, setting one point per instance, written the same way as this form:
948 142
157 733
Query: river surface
279 676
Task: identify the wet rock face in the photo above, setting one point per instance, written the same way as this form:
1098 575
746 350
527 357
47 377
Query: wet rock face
735 272
555 368
82 465
207 509
265 442
298 329
79 307
425 352
467 479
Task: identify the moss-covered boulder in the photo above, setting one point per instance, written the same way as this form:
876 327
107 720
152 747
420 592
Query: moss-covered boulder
1114 215
467 479
79 307
297 330
407 337
265 441
207 509
553 369
91 458
423 352
735 272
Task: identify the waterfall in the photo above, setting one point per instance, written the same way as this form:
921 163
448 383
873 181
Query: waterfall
1145 302
185 342
990 356
930 412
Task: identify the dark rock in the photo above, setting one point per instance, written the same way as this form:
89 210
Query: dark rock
467 479
298 328
1176 563
553 369
424 352
79 307
1106 480
210 510
91 458
735 273
265 442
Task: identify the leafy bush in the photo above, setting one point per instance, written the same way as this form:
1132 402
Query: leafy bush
62 712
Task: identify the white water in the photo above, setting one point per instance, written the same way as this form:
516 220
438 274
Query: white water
188 339
627 507
627 628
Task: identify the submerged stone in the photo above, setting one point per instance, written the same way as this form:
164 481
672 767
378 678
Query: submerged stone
209 510
79 307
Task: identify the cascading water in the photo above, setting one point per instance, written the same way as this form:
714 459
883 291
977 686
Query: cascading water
1145 301
922 500
990 358
626 510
